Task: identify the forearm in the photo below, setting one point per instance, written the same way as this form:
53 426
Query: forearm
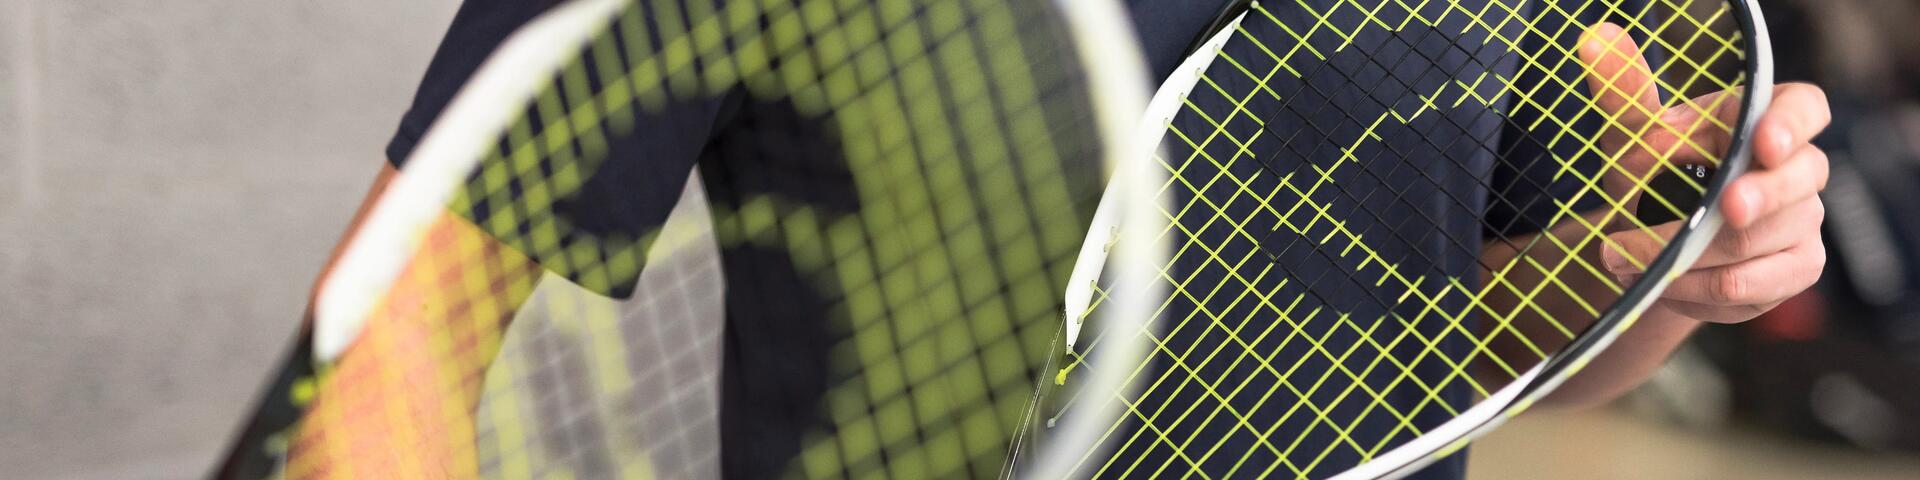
1628 362
1541 290
1568 289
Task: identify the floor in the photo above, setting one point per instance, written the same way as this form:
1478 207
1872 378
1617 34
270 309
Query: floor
1610 444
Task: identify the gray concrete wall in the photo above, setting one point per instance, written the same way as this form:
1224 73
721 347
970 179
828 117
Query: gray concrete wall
172 174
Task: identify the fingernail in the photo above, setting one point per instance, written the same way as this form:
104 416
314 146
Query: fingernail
1749 204
1781 139
1616 262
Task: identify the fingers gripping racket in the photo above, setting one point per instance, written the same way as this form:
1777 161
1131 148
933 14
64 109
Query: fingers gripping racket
1385 222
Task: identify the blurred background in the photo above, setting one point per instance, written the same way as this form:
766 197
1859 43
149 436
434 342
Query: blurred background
1827 385
172 176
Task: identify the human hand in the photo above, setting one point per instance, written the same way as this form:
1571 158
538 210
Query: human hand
1770 247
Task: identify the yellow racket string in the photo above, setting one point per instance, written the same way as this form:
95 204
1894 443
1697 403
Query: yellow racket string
1696 40
957 119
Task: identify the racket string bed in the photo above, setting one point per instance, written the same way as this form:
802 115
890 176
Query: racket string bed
1340 175
895 197
904 191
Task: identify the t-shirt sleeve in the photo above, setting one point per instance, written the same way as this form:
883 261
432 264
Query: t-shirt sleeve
1539 173
1542 171
641 157
478 28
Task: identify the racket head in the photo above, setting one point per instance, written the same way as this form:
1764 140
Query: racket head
454 320
1737 59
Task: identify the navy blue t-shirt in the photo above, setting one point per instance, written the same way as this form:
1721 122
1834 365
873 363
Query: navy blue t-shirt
1436 230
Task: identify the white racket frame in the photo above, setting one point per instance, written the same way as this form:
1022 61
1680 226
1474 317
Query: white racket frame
452 147
1118 207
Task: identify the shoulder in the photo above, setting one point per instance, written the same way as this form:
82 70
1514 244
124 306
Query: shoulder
477 29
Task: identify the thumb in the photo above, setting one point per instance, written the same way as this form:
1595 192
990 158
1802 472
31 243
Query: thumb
1625 92
1622 84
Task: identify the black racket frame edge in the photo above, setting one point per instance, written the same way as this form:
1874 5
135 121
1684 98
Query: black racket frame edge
1678 192
276 410
1759 65
1227 12
252 455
